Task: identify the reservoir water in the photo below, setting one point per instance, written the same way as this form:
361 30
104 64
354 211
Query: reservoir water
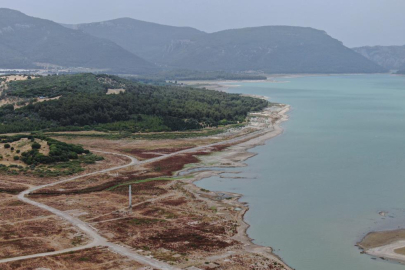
315 190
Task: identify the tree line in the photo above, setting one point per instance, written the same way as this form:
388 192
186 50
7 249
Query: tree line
142 107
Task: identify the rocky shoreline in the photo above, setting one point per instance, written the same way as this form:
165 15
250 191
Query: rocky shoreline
234 156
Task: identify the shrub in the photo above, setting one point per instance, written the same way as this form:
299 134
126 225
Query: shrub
16 158
7 145
36 145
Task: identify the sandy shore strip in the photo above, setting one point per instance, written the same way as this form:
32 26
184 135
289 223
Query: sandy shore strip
224 85
386 245
234 156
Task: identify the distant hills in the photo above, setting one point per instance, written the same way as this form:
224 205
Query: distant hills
135 47
272 49
389 57
28 42
152 41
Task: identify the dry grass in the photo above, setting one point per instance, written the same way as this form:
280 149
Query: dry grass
378 239
115 91
25 230
95 259
17 183
164 216
22 146
13 210
129 146
400 251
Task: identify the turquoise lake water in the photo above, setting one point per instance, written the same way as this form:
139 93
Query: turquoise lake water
316 190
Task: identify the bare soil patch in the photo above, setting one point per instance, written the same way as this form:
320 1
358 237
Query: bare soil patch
95 259
130 146
400 251
13 210
36 236
115 91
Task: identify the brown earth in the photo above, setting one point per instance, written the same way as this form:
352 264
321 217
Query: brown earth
379 239
26 230
171 220
95 259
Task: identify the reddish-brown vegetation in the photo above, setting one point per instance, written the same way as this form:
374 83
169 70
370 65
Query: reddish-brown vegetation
95 259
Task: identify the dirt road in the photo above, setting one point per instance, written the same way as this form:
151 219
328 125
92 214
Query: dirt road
98 240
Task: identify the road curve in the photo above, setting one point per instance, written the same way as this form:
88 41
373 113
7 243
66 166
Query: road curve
98 240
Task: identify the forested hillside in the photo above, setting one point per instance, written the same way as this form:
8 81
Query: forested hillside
83 103
53 86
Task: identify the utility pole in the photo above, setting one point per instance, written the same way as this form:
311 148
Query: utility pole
130 196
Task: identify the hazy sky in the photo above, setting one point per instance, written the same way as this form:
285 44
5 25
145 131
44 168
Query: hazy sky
355 22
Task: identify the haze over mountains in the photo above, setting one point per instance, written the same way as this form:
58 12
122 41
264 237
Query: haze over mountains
28 42
389 57
150 40
273 49
131 46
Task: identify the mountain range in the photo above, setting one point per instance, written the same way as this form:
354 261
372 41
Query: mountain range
272 49
136 47
150 40
389 57
28 42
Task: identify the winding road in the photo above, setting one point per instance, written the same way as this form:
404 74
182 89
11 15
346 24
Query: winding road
97 239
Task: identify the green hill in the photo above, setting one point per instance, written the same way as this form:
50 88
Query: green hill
389 57
26 42
83 103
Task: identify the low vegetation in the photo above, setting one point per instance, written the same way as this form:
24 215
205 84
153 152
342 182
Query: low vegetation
42 156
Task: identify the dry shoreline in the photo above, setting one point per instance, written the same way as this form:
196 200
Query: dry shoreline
215 209
234 156
386 245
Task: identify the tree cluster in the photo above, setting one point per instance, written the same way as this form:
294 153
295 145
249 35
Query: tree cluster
140 108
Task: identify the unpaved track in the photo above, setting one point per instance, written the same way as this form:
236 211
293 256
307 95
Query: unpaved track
98 240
